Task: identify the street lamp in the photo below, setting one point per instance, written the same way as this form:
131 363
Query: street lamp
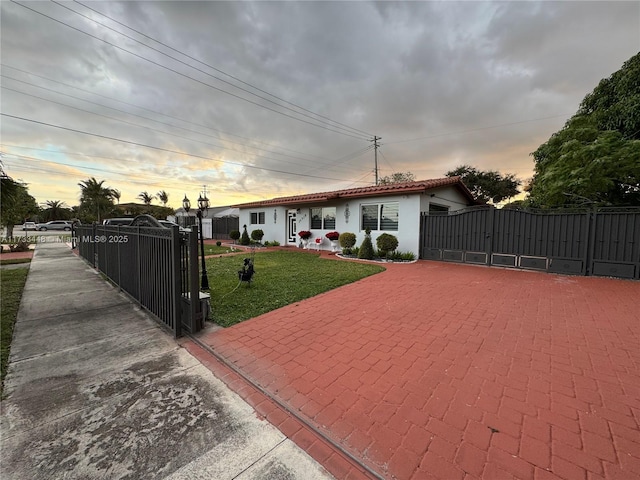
203 204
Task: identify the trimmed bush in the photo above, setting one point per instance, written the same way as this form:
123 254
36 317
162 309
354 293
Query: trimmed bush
234 235
218 243
257 235
366 249
347 239
244 238
386 243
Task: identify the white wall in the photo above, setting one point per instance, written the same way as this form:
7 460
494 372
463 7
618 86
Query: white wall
446 196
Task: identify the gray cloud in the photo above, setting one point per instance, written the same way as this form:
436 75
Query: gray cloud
440 71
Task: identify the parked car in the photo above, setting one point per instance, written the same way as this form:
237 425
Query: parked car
145 221
55 225
168 224
29 226
117 221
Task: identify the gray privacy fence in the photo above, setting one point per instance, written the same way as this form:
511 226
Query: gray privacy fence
602 242
157 267
220 227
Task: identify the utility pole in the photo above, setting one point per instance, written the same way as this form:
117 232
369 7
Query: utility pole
375 149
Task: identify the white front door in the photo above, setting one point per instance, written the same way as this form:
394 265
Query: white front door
292 229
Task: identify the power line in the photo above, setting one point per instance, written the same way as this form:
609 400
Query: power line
204 63
165 149
150 128
359 137
143 108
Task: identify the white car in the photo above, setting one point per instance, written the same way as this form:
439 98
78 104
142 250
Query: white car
29 226
55 225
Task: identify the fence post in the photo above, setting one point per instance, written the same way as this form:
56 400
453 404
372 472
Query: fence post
592 219
489 233
194 281
175 281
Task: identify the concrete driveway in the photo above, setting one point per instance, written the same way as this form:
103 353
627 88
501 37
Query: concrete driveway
447 371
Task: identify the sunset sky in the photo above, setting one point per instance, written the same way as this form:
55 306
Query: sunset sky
266 99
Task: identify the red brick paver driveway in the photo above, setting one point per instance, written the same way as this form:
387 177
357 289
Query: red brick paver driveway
446 371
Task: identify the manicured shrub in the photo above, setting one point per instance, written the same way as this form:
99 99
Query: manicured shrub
386 243
347 239
266 243
275 243
257 235
244 238
218 243
366 249
234 235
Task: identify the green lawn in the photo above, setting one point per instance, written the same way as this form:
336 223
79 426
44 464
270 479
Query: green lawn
13 261
215 250
281 278
12 285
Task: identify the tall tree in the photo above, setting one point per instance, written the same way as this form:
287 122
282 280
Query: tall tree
96 200
116 195
146 198
17 205
163 197
489 186
55 210
397 177
595 158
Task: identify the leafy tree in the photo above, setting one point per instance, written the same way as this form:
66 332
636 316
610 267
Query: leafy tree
146 198
163 197
398 177
96 200
489 186
55 210
595 158
17 204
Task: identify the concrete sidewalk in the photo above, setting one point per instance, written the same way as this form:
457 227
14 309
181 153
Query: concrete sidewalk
96 389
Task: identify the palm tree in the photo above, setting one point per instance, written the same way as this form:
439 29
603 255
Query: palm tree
146 198
116 194
95 198
163 197
55 210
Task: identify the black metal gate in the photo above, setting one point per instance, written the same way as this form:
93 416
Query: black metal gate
603 242
157 267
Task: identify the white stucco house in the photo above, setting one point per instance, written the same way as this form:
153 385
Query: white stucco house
393 209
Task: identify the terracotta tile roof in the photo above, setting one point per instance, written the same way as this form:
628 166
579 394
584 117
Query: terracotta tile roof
371 191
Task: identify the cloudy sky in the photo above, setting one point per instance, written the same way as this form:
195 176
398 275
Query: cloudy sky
265 99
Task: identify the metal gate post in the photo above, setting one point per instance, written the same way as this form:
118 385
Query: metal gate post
196 319
489 233
175 281
592 220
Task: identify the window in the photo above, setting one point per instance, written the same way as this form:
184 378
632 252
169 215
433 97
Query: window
257 218
323 218
381 216
435 209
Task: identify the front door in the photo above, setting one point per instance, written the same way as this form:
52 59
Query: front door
292 229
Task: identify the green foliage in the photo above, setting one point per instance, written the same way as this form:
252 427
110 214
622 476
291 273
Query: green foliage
12 285
257 234
273 243
218 243
347 239
595 158
244 238
55 210
281 278
22 245
234 235
17 204
386 243
366 251
96 201
397 177
489 186
146 198
163 197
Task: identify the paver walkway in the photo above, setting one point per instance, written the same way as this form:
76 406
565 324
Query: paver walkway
447 371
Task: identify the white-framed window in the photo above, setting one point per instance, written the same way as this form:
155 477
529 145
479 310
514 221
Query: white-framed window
379 216
257 218
323 218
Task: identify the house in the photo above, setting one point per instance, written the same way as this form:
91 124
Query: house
393 209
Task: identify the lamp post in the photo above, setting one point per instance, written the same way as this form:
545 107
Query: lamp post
203 204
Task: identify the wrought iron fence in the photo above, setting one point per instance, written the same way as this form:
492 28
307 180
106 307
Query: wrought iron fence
154 266
595 242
